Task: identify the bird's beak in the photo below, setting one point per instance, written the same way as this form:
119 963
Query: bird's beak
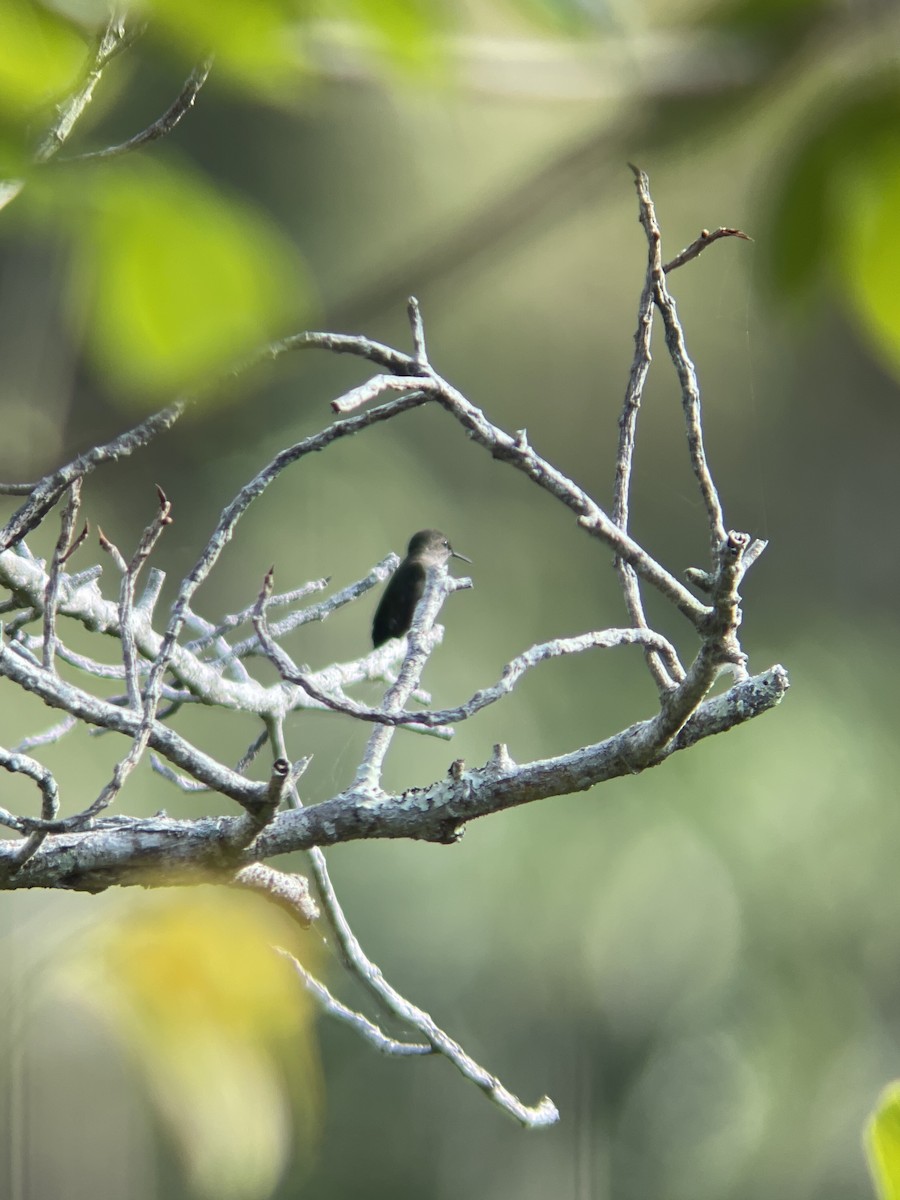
456 554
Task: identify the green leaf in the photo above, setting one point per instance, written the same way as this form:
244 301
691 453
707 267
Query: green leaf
40 57
261 44
870 247
882 1143
404 31
255 43
177 280
808 210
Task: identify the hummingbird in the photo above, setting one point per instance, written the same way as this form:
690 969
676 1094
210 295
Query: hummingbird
394 614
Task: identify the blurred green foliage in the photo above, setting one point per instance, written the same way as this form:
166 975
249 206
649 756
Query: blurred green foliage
174 278
883 1144
700 963
40 57
834 227
184 277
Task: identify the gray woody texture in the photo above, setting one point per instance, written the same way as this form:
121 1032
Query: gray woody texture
184 659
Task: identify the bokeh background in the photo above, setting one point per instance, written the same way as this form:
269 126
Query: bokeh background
698 964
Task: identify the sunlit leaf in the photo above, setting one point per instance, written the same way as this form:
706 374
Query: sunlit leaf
835 225
882 1142
40 57
808 205
871 248
257 43
261 45
177 280
219 1027
404 31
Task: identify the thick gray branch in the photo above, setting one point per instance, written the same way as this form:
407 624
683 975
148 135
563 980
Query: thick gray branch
159 850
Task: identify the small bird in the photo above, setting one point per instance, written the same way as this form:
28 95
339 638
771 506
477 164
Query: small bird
394 614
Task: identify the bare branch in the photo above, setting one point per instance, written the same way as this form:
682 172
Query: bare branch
22 763
367 1029
512 673
114 39
690 388
699 244
120 851
65 545
46 493
162 126
315 612
290 892
640 367
93 711
420 353
48 737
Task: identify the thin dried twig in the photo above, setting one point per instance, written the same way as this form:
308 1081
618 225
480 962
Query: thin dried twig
640 367
367 1029
66 544
366 971
706 238
687 375
159 128
512 673
48 490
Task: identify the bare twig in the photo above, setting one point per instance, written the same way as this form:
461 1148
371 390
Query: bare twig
288 891
420 353
690 389
49 489
162 126
706 238
367 1029
48 737
315 612
421 640
214 633
545 1112
512 673
24 764
640 367
114 39
149 538
65 546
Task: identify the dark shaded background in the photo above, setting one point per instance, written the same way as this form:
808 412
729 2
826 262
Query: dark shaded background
699 964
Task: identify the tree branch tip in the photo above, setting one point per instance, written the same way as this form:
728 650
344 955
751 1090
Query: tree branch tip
542 1115
736 542
268 585
702 580
165 506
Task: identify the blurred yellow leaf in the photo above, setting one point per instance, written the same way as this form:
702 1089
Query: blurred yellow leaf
177 280
40 56
219 1026
882 1143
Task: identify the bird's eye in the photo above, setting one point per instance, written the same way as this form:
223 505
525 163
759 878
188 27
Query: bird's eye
445 544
